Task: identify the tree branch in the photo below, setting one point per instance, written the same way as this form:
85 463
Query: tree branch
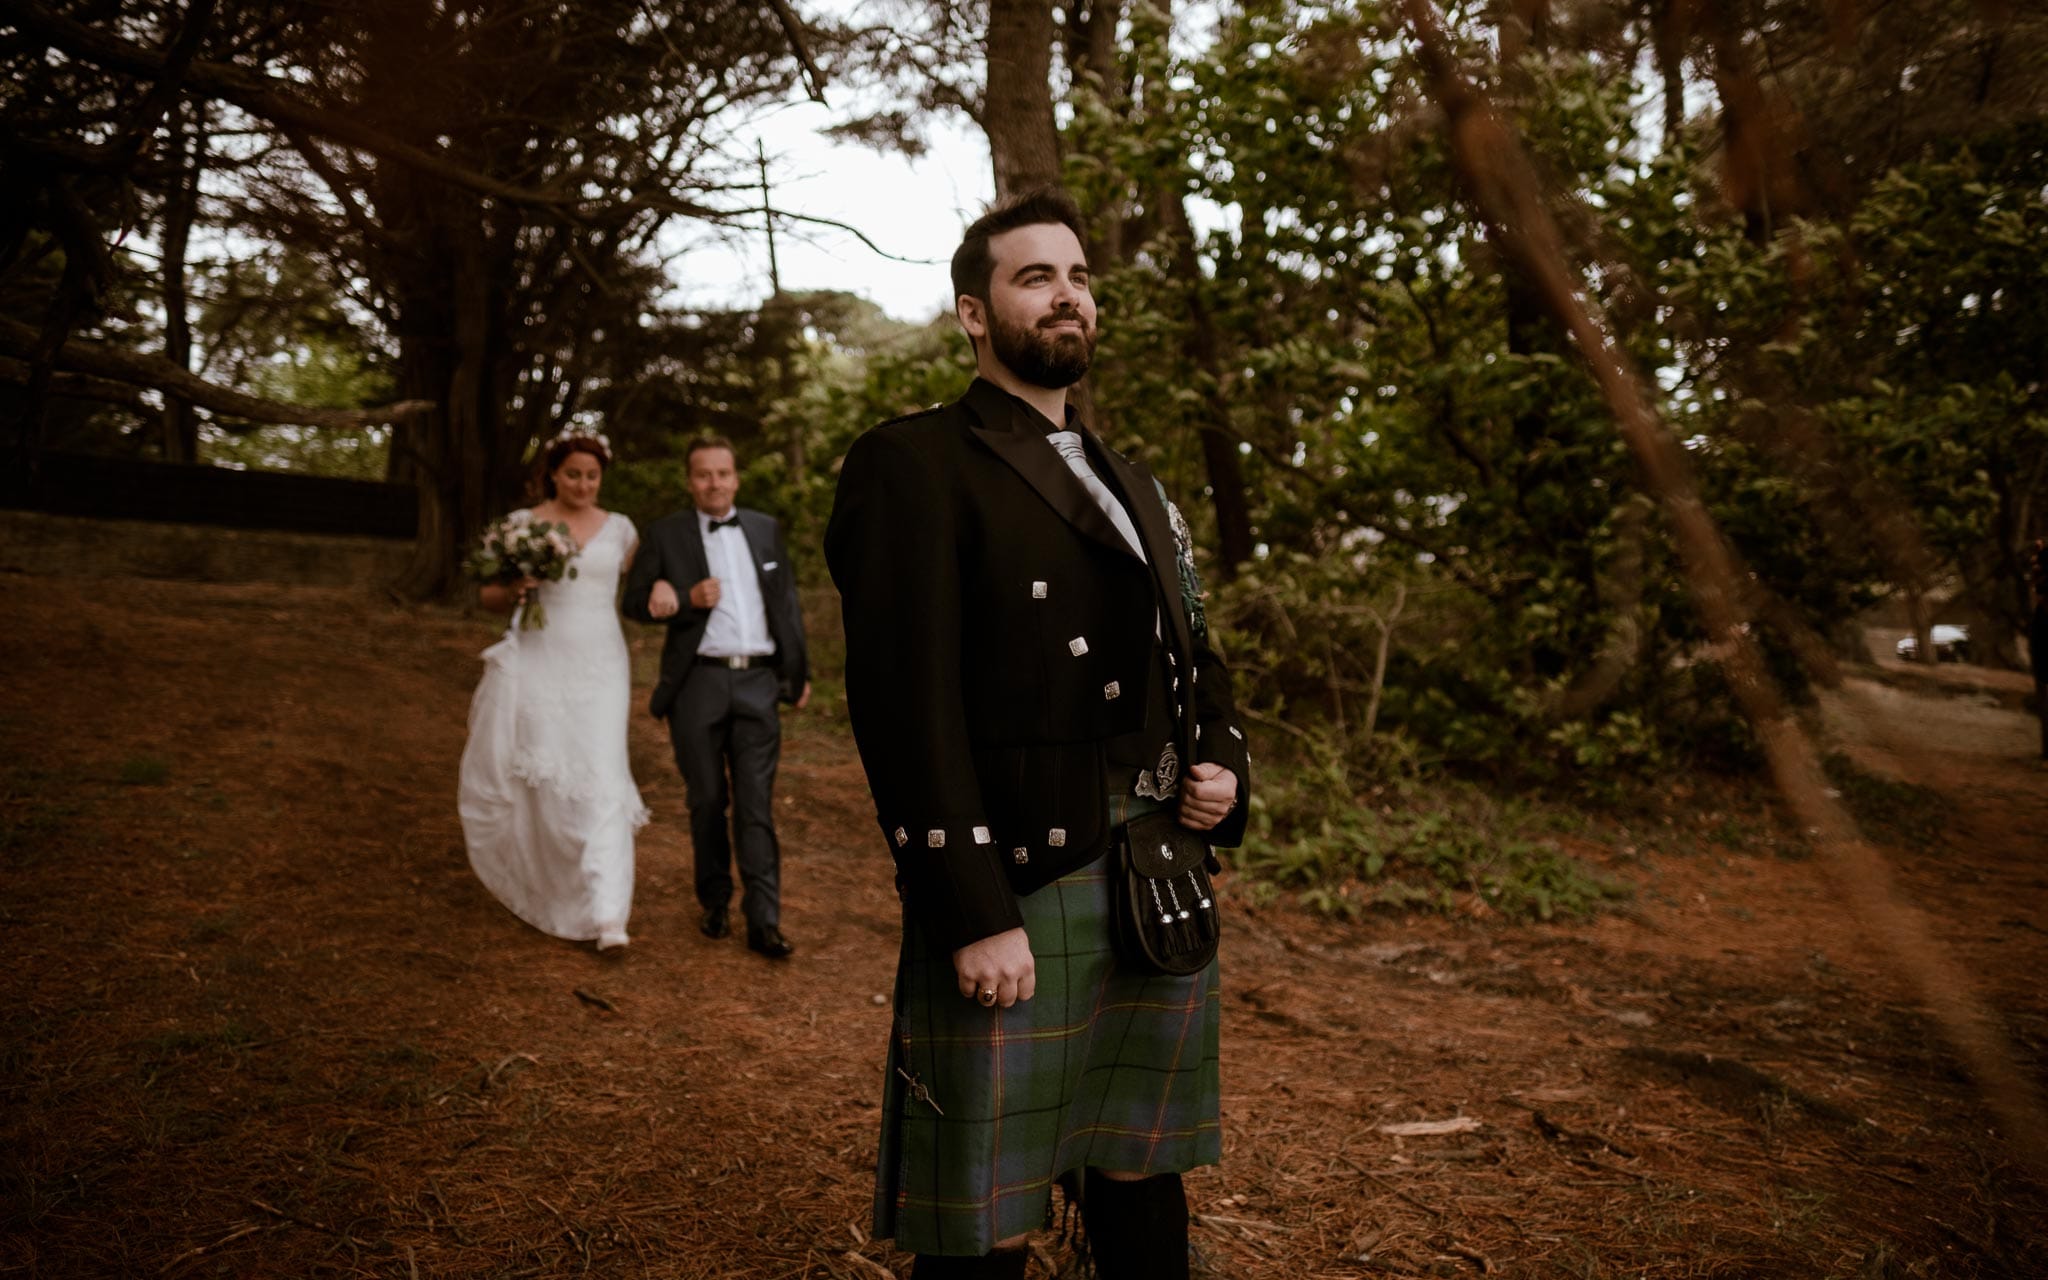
1503 183
79 386
159 100
279 102
814 79
111 364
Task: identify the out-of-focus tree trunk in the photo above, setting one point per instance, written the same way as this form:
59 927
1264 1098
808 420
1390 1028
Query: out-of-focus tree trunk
1092 56
187 151
1220 454
1023 140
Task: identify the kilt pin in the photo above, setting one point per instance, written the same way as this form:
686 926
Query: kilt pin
1002 639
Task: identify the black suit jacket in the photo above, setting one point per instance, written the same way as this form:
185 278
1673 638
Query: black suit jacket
998 631
674 549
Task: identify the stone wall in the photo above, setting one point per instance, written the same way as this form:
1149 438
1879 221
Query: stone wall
82 547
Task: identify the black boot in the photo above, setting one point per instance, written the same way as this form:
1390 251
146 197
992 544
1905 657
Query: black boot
1136 1230
1002 1264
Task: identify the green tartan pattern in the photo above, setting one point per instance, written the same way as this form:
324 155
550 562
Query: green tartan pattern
1102 1068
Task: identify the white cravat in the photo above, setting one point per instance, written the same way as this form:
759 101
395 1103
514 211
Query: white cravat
738 625
1070 447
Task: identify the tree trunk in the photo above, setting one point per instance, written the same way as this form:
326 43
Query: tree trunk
447 271
1220 454
1092 56
188 151
1668 37
1023 140
443 328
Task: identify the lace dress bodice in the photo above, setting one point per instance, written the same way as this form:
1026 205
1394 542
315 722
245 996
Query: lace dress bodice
572 671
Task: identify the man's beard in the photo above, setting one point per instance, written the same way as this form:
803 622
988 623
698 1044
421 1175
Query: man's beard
1042 357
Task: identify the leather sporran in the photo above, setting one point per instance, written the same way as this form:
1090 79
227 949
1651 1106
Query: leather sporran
1161 897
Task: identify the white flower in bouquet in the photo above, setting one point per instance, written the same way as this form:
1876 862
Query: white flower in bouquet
520 547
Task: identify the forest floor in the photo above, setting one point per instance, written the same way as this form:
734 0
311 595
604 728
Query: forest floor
258 1019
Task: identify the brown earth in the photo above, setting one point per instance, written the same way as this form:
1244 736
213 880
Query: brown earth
261 1021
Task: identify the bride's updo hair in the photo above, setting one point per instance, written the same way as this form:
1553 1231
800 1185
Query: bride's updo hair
558 452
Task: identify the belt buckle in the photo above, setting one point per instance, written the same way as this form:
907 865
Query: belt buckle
736 662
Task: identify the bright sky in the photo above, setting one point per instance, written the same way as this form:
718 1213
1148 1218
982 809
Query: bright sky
912 209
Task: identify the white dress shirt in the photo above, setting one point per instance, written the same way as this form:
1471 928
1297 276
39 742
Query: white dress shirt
738 626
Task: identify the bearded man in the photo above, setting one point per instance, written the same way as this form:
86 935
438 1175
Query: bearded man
1028 669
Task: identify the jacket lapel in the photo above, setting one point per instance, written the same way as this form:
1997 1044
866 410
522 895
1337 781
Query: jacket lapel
750 526
691 536
1162 553
759 543
1001 425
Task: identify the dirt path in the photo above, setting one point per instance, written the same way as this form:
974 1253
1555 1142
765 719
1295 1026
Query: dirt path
261 1021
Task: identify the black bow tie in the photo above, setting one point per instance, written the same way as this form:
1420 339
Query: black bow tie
731 521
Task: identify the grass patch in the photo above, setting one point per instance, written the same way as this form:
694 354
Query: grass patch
398 1076
216 928
144 771
1898 813
34 810
1466 850
405 1054
228 1037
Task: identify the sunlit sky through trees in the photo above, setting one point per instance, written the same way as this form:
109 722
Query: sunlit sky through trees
912 208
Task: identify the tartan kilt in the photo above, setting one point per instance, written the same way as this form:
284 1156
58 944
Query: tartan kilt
1102 1067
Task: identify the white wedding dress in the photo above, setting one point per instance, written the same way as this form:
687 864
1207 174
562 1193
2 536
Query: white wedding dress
549 808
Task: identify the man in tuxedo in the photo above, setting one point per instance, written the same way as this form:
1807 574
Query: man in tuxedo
735 647
1027 669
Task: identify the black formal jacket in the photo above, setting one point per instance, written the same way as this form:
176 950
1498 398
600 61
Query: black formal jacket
998 631
674 549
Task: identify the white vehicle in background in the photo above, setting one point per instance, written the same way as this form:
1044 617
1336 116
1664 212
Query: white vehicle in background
1951 644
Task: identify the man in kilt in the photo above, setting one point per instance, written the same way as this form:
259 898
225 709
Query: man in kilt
1025 648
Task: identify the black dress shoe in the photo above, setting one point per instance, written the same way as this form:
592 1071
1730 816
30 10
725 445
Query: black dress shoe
715 924
768 940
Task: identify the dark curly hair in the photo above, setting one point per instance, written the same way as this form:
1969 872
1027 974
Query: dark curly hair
974 262
558 451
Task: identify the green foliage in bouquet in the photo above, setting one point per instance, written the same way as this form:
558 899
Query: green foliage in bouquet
518 548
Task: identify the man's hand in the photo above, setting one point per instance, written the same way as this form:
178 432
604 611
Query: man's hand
1208 792
804 699
1001 964
705 594
661 600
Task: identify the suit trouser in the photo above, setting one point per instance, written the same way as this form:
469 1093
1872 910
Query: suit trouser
723 717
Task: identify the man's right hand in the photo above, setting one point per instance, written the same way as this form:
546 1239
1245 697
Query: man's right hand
705 594
661 600
1001 964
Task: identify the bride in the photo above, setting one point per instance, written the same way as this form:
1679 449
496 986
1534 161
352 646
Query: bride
548 803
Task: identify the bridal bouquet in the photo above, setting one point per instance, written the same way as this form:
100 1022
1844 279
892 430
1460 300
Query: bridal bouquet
521 547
